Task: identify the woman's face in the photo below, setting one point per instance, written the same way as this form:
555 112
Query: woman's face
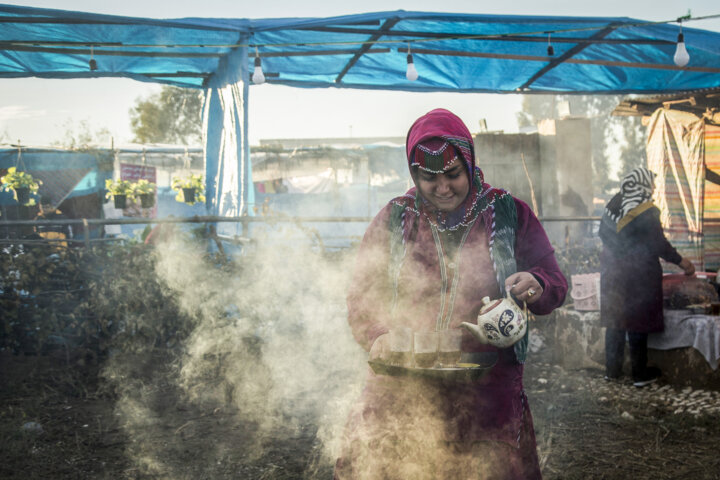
445 191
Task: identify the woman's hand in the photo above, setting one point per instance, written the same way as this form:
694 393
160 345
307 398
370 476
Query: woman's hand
687 266
380 349
524 286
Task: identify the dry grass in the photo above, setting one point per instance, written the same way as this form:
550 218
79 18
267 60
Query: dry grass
581 430
588 428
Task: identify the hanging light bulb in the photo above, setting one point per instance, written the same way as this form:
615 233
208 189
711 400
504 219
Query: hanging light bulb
258 76
92 63
681 57
550 49
411 72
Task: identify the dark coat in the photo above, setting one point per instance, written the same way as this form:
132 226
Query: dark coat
631 281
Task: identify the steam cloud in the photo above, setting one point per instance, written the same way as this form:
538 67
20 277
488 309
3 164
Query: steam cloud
271 348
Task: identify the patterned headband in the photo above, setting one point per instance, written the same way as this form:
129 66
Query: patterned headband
435 155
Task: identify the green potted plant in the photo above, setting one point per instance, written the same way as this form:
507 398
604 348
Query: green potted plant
145 191
22 184
190 189
119 190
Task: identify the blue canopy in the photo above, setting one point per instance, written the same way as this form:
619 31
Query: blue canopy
452 52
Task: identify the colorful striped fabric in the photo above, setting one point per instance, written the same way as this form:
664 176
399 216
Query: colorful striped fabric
675 152
712 199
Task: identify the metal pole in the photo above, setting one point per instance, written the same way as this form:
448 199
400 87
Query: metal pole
244 219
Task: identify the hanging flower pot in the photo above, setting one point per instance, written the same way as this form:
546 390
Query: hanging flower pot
22 194
119 190
22 184
189 195
147 200
145 190
120 200
190 190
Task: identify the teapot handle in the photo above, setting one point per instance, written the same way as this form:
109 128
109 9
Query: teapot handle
524 303
510 297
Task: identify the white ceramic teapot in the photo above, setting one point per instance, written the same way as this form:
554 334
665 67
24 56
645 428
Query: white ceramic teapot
500 323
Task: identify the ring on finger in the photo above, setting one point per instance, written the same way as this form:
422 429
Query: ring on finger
530 292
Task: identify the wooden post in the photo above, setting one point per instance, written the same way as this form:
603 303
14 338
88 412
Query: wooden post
86 232
245 226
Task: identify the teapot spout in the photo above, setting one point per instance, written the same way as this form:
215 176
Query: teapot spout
476 331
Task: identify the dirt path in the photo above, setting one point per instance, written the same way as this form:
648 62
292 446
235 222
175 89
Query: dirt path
587 428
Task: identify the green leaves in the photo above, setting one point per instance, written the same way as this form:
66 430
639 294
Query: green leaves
143 186
14 180
19 179
118 187
191 182
174 115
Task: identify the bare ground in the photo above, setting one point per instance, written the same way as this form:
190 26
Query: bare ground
586 427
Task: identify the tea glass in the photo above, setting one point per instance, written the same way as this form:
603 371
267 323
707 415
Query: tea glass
449 347
426 349
401 343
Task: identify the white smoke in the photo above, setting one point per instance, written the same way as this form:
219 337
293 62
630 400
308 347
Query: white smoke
271 351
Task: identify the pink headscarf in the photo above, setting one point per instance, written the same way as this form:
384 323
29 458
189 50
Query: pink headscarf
435 132
445 125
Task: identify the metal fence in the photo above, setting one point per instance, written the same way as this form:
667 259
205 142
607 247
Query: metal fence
9 236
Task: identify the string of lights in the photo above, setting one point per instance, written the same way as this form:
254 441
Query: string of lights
514 36
681 58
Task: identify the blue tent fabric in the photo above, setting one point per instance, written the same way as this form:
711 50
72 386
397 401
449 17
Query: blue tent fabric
228 181
452 52
64 174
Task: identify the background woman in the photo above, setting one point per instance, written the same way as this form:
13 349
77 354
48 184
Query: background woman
425 263
631 278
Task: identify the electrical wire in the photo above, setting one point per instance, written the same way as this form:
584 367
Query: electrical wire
615 26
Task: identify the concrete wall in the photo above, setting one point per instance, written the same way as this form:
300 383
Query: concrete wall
565 149
500 156
559 163
578 341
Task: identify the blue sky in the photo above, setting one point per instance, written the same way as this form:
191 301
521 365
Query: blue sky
38 111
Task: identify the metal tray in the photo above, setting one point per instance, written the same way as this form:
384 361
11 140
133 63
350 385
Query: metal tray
481 365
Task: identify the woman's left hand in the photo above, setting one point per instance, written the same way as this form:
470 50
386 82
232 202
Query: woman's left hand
687 266
524 286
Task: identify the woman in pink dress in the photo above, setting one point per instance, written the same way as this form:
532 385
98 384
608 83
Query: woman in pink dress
426 262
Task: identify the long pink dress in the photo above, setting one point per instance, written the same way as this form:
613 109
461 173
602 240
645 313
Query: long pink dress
418 428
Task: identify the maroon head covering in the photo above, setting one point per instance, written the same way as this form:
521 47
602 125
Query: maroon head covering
436 128
433 143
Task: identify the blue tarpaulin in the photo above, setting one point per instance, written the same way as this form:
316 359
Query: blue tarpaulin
452 52
64 174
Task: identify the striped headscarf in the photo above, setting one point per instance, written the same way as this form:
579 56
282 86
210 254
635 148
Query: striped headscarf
635 188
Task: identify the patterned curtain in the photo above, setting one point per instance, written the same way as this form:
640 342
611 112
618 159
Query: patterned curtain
712 197
675 152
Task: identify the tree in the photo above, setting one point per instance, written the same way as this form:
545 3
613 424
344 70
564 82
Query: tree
616 141
174 115
80 135
632 151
